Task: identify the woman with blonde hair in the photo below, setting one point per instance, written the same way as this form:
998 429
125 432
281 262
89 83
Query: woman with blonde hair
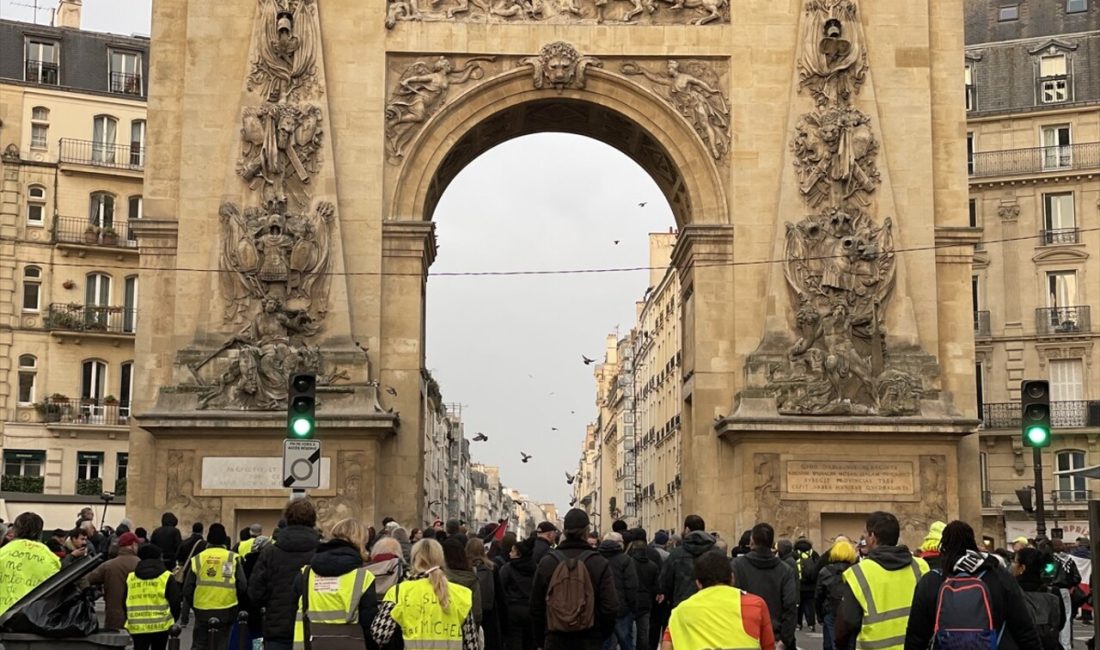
830 590
427 608
336 598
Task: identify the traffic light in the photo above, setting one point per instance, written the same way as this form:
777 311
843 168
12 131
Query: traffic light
1035 412
301 406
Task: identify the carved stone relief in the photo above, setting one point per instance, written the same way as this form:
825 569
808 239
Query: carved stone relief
695 90
179 490
348 502
284 63
641 12
560 65
835 151
833 63
789 517
916 517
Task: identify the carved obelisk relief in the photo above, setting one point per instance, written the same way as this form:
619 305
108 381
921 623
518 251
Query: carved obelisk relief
279 245
839 267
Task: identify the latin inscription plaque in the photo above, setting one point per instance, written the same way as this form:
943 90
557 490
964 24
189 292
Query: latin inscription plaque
249 473
850 477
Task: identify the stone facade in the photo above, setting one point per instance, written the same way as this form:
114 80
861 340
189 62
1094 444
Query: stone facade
709 113
72 110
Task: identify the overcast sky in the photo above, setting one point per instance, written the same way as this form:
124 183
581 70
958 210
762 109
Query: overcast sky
509 349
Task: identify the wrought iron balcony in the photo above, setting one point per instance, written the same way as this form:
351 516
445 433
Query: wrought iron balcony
126 83
1063 320
1036 160
1063 414
1071 496
74 317
1057 236
92 412
981 323
103 154
41 72
76 230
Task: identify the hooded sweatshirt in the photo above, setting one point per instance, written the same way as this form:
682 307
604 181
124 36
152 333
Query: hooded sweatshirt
849 616
149 569
649 571
678 573
271 584
761 573
334 558
626 578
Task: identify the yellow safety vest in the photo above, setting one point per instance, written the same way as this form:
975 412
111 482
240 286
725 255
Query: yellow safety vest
885 597
245 547
24 564
711 618
332 601
147 610
215 572
424 624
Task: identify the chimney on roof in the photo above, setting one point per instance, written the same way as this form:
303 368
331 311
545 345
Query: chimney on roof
67 14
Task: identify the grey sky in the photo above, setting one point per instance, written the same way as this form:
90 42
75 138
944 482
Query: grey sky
501 346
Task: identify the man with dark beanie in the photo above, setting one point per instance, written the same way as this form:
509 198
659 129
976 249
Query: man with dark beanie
271 585
215 587
545 607
147 602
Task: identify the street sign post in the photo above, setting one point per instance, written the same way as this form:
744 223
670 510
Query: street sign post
301 464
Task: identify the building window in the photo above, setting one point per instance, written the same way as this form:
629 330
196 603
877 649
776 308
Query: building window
1057 147
1076 6
23 471
1061 289
42 62
122 464
92 380
32 288
89 465
97 290
129 304
970 153
973 206
1053 79
1067 383
1059 221
135 206
40 127
969 76
137 143
1071 488
126 73
125 388
1008 12
101 210
36 205
104 137
28 371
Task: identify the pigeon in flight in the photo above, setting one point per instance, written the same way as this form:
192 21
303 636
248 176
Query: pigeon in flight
391 390
648 291
642 204
616 242
525 457
572 502
481 437
553 428
587 361
569 478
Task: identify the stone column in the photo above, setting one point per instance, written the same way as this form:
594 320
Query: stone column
408 249
703 256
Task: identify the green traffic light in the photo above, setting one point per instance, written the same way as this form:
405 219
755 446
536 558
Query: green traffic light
1038 436
302 427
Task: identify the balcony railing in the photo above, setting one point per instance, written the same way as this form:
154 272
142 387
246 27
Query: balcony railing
84 411
981 323
1071 496
1056 236
74 317
1036 160
126 83
1063 414
41 72
77 230
103 154
1062 320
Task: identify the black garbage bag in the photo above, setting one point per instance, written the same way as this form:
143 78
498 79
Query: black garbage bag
69 612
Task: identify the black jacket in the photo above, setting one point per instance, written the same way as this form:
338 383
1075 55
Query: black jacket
516 578
649 572
186 546
829 592
541 548
168 539
1006 599
334 558
677 580
603 583
849 617
272 580
626 578
763 574
149 569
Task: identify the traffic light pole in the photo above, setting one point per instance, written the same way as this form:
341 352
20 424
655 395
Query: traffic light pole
1040 511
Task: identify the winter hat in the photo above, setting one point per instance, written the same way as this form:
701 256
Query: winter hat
576 519
546 527
256 530
638 535
216 535
127 539
149 552
613 538
660 538
932 539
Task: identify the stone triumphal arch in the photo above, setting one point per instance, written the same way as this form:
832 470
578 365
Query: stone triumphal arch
812 154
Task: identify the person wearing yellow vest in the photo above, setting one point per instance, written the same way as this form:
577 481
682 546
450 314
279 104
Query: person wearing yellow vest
215 586
336 598
878 592
152 600
25 562
719 615
255 533
431 612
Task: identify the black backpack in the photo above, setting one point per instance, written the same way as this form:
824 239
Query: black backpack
1045 609
964 616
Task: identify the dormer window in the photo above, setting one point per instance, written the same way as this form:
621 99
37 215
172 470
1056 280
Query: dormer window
969 77
1008 12
125 73
41 59
1053 79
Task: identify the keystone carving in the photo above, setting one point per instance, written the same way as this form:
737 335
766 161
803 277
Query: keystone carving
833 63
420 92
651 12
694 89
560 65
